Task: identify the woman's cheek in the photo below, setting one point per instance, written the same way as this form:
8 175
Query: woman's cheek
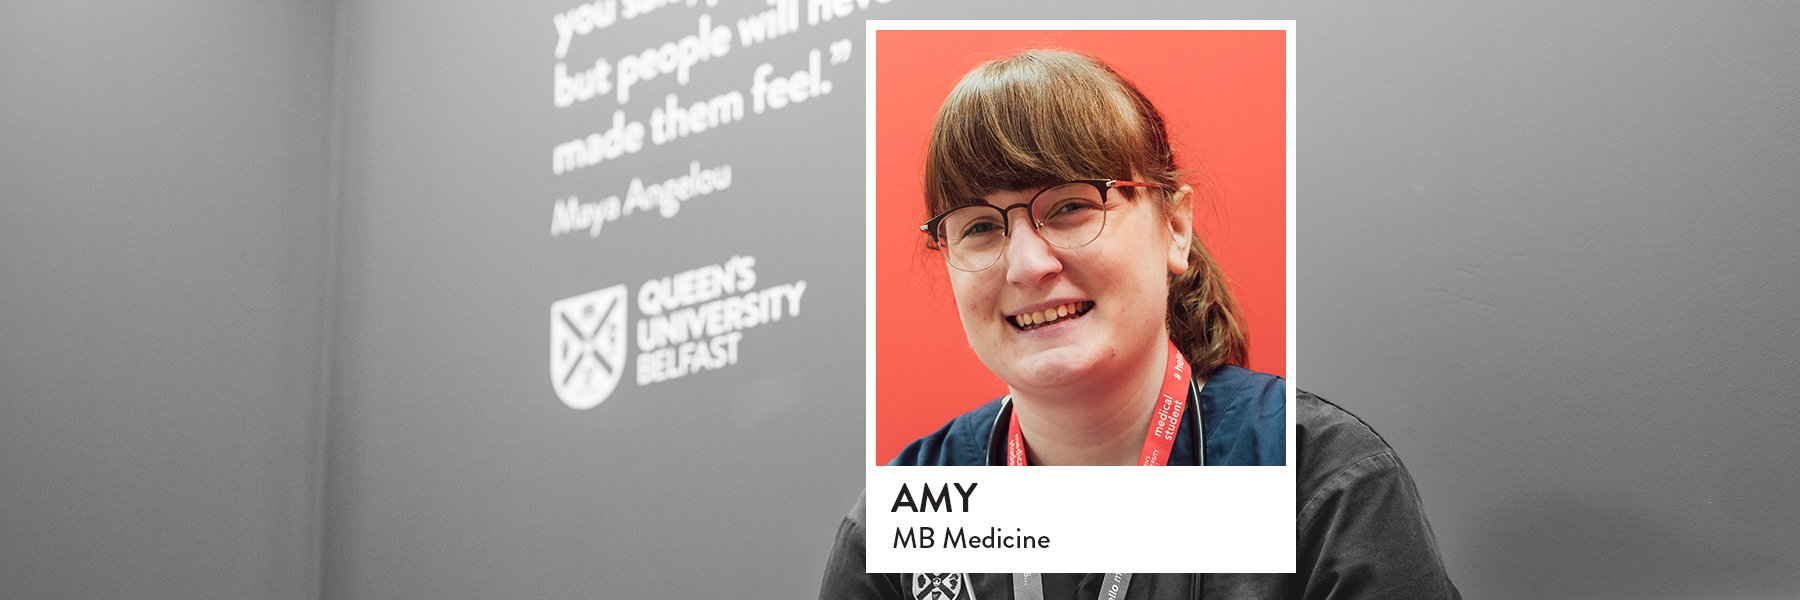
972 299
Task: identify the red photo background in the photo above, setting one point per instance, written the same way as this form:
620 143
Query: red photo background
1224 96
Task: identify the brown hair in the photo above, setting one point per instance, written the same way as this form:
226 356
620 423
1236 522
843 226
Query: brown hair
1042 117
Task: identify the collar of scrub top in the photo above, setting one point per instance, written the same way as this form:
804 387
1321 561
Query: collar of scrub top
996 444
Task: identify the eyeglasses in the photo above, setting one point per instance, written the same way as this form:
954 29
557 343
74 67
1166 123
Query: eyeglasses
1067 215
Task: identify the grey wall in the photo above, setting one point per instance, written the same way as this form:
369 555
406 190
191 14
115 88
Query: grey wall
1550 253
455 471
1546 251
163 298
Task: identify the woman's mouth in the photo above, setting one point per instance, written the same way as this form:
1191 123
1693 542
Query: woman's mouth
1034 320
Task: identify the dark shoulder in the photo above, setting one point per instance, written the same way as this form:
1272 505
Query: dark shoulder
1329 441
1361 525
962 441
1246 417
1237 394
1329 438
859 514
846 569
1238 382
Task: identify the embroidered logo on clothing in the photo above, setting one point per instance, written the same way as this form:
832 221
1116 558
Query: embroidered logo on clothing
941 586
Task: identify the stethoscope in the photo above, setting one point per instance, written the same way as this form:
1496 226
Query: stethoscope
998 458
996 451
996 443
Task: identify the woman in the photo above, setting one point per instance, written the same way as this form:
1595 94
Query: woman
1109 247
1059 207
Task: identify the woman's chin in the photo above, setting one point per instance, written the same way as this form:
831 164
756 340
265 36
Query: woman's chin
1058 368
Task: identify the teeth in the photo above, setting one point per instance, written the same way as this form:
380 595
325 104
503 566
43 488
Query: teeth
1047 315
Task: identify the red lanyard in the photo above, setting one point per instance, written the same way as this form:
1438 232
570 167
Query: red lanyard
1163 423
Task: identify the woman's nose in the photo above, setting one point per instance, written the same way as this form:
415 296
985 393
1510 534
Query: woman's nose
1029 259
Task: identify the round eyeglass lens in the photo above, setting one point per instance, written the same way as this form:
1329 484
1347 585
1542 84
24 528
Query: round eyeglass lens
973 236
1067 216
1070 215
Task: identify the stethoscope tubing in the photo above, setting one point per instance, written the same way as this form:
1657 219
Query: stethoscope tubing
996 443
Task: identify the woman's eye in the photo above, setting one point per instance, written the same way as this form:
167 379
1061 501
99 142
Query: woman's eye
980 228
1071 207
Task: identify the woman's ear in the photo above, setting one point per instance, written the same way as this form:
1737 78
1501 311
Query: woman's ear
1181 228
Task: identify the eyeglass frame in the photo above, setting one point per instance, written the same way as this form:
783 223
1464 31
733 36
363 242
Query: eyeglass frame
1101 185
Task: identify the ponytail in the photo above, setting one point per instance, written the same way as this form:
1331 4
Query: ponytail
1204 322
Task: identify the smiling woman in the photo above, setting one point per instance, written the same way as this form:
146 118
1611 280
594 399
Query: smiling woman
1067 230
1077 275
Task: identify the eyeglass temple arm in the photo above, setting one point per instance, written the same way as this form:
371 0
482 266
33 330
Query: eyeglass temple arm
1117 182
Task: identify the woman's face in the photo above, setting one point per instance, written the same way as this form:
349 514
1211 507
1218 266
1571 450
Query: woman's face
1114 291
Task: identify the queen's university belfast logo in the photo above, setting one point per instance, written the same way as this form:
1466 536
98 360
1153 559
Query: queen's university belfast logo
587 346
941 586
